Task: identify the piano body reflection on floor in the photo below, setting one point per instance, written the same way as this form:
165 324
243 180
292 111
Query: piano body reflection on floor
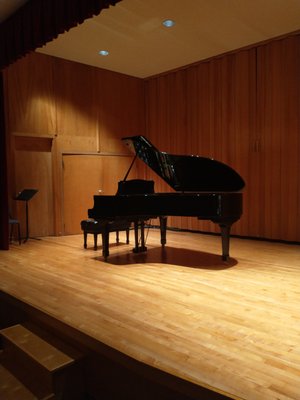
203 188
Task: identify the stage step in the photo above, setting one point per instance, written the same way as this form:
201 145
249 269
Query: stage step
11 388
44 369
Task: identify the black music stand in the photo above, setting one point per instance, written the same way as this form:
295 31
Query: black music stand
26 195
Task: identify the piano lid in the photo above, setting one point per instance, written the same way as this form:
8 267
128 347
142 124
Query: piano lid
186 173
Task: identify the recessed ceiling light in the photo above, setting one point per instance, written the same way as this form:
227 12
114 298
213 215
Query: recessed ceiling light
168 23
103 53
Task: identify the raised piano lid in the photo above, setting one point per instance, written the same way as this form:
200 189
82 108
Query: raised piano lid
186 173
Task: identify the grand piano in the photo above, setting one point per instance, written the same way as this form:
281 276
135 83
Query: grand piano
203 188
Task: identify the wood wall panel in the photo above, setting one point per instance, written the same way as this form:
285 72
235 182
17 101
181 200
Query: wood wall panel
233 120
209 110
83 110
279 129
199 110
120 103
30 110
241 108
84 176
30 103
34 171
77 111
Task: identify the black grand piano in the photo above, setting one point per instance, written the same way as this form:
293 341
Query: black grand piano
204 188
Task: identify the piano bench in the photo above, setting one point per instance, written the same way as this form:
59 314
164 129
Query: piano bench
104 228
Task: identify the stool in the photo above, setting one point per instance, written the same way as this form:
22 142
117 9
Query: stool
104 227
14 222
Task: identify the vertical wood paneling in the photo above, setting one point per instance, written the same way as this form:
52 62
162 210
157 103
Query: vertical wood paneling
198 138
279 127
233 121
76 106
198 110
30 102
83 109
207 109
30 110
166 121
34 171
57 187
120 104
241 108
83 177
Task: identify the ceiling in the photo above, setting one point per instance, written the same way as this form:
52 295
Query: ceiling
139 45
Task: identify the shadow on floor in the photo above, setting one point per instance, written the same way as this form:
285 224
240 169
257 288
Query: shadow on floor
171 255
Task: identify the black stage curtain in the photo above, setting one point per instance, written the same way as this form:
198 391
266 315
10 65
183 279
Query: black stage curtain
4 241
32 26
40 21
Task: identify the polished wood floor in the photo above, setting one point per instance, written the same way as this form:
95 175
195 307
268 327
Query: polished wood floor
233 327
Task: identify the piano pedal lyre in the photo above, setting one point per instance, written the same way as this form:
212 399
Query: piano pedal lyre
139 248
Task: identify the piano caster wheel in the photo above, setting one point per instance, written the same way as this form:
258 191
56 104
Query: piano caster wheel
139 249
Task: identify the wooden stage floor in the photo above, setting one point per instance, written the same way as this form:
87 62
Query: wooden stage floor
232 327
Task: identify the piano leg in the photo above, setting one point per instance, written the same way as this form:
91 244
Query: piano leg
85 239
163 230
142 247
105 244
95 241
225 234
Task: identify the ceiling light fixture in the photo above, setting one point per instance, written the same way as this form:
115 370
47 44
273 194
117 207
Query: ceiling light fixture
168 23
103 53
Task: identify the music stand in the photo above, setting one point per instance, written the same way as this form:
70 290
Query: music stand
26 195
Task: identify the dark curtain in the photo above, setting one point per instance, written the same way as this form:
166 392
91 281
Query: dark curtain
40 21
4 242
32 26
